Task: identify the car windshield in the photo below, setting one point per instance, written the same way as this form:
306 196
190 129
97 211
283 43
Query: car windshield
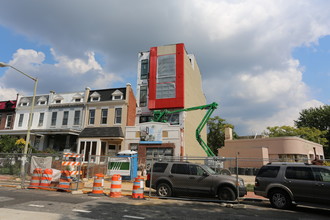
208 169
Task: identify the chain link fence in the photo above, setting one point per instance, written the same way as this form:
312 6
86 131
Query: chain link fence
11 168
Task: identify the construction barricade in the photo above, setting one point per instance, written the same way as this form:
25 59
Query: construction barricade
36 179
115 189
72 163
98 185
46 179
138 188
65 181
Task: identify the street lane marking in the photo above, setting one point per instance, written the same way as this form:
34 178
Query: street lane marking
39 206
80 210
135 217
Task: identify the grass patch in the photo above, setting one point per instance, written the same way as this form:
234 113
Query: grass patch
250 187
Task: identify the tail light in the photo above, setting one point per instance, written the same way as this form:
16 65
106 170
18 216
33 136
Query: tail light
256 183
148 176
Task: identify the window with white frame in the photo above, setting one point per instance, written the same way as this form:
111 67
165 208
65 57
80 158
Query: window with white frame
41 119
95 97
42 100
117 95
118 115
58 99
65 118
24 102
9 121
76 117
91 120
20 120
104 116
143 96
54 118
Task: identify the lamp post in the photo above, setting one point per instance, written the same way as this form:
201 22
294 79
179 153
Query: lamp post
28 134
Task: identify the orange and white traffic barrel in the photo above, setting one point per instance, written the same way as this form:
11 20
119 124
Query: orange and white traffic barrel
46 179
36 178
65 180
115 189
98 185
138 188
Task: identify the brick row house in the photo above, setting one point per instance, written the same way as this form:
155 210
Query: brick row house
60 118
7 114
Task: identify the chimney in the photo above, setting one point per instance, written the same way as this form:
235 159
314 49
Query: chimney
87 90
228 133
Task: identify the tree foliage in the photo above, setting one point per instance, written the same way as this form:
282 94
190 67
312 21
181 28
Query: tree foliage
216 133
311 134
318 118
8 144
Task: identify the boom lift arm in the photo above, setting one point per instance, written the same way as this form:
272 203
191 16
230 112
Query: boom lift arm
159 116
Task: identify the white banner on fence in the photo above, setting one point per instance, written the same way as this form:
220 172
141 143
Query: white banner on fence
119 165
41 162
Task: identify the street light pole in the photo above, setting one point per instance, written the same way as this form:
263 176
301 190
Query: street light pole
28 134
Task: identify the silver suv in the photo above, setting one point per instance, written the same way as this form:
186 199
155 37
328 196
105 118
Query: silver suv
169 178
288 184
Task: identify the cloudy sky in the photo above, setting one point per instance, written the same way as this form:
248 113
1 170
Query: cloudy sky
262 61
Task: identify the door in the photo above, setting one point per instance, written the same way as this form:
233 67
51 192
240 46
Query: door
179 177
322 185
198 182
300 181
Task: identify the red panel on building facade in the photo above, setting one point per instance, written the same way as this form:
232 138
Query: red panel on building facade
165 103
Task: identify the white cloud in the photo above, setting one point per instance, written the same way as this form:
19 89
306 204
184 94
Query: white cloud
64 76
243 48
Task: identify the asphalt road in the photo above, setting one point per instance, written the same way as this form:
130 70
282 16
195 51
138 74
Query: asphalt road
40 204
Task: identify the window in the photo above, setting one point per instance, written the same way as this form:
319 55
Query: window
134 146
42 102
54 117
159 167
180 169
143 96
104 116
117 97
77 100
268 171
41 119
24 104
9 121
299 173
144 69
118 115
95 99
196 170
321 174
20 120
65 118
91 116
166 77
145 119
58 101
76 118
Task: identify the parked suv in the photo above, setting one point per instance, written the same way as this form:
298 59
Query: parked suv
169 178
288 184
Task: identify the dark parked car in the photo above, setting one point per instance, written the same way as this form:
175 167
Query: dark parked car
169 178
288 184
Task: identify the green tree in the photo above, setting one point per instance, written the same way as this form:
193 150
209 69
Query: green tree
8 144
311 134
318 118
216 133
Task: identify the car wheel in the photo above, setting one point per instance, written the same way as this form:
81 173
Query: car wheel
280 199
226 194
164 190
225 172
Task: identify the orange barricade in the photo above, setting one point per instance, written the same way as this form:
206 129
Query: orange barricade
46 179
98 185
138 188
36 178
115 189
65 180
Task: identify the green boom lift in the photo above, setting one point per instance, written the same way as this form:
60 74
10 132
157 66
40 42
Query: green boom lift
160 116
